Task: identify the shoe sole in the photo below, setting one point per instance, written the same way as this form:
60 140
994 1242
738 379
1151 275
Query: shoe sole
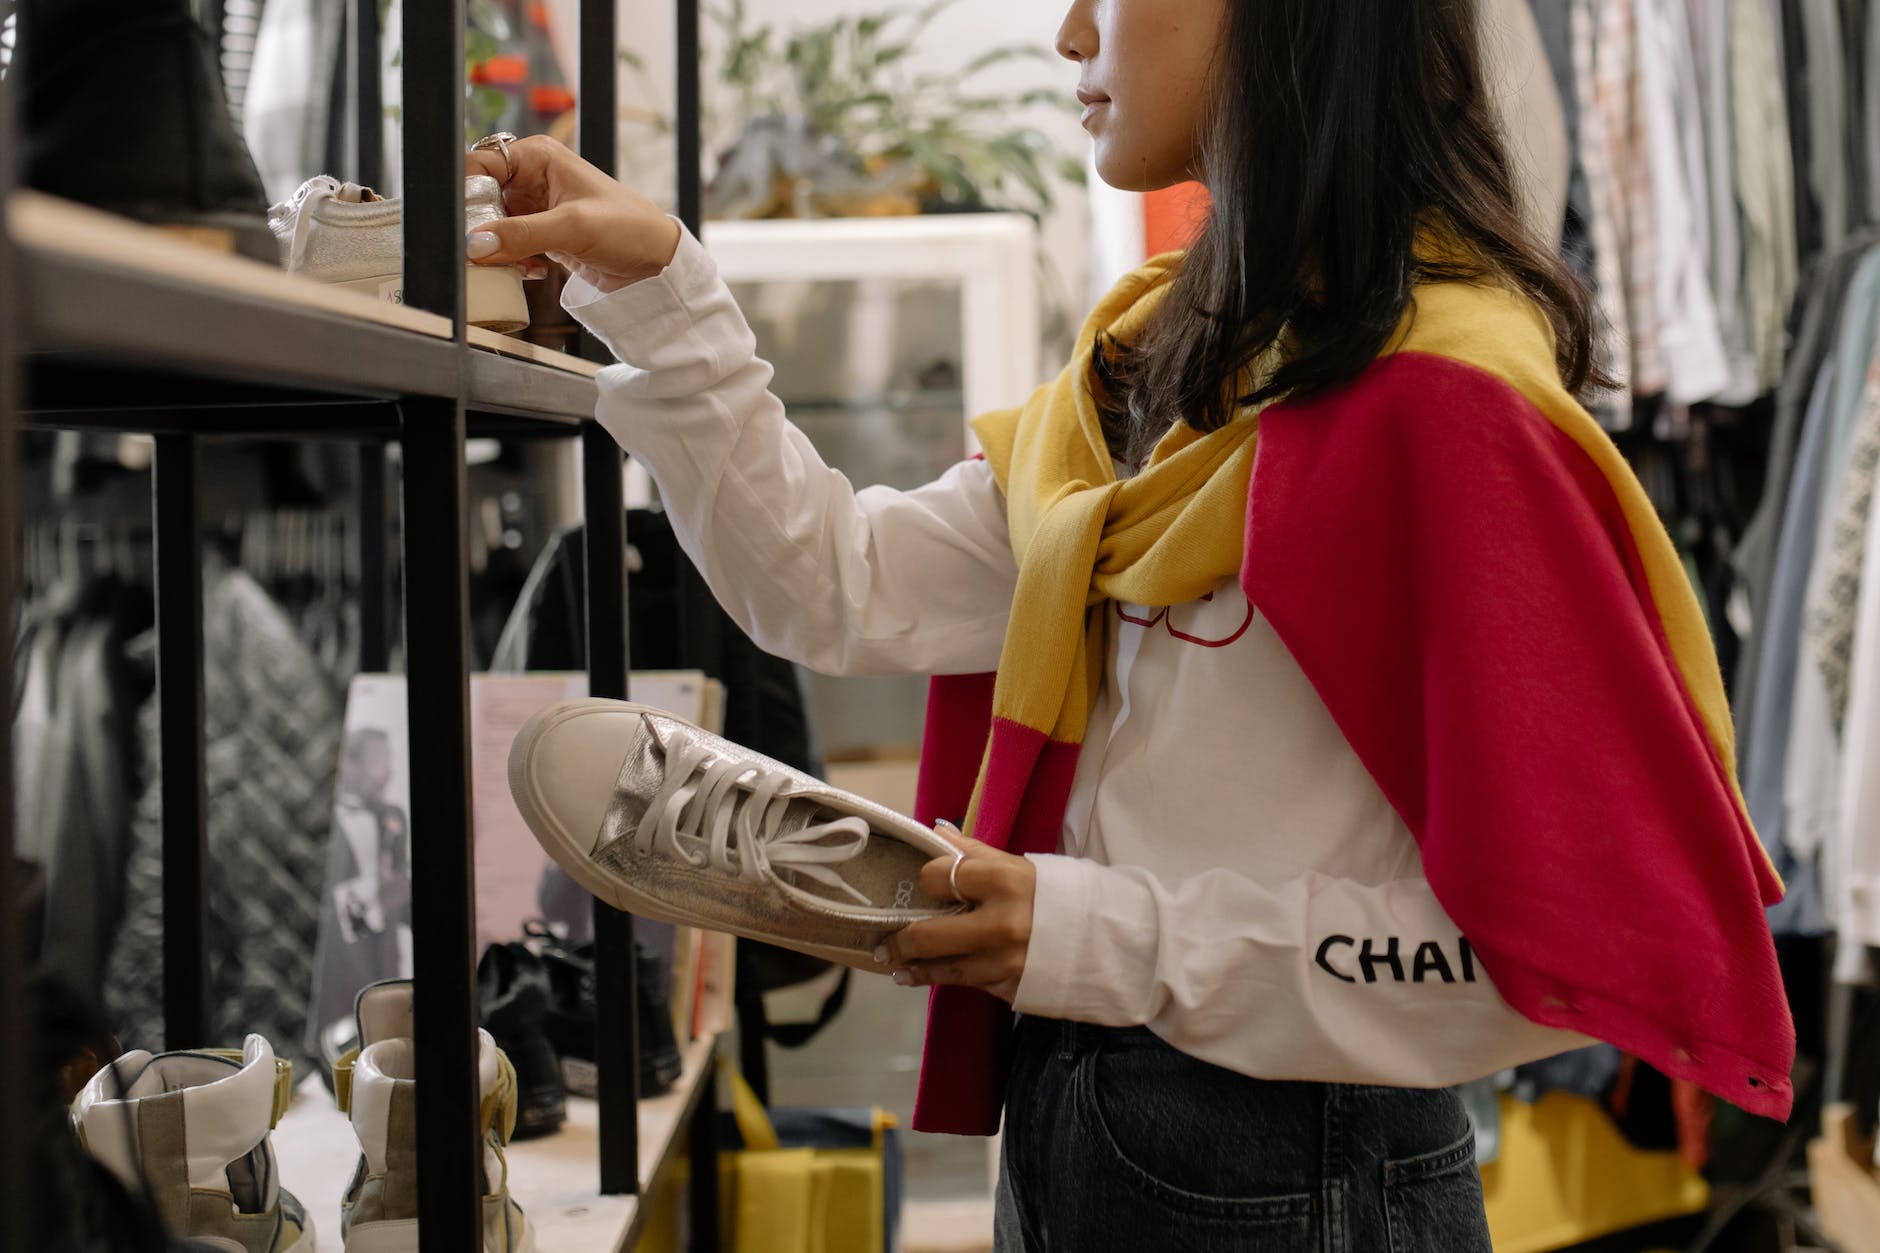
493 296
402 1237
568 851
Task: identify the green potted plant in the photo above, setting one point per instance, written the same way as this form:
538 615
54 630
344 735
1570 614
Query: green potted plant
827 119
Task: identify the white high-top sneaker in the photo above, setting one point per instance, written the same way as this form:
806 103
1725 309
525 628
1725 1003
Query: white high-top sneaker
190 1130
350 236
378 1089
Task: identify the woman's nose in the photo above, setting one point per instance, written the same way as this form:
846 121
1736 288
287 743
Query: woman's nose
1077 37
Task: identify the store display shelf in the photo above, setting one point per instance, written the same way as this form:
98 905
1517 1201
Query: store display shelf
105 287
504 396
528 388
510 346
552 1178
198 341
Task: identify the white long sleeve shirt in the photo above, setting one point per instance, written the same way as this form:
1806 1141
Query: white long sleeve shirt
1229 874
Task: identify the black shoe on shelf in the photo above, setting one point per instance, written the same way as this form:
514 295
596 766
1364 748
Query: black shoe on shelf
122 107
513 994
571 1016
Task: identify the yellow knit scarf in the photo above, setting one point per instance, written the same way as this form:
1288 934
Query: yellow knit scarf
1168 535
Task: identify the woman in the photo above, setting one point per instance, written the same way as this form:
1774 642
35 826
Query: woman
1355 723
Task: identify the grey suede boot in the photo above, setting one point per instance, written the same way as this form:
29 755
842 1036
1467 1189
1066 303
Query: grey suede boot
190 1131
378 1089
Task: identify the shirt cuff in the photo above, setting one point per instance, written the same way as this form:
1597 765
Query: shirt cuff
1067 974
631 320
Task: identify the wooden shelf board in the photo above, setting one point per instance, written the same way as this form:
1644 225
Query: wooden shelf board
41 223
509 346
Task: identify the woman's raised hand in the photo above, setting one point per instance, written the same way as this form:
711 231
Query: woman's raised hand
569 211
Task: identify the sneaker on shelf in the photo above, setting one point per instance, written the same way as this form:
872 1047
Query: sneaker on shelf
571 1016
667 821
352 237
121 106
513 995
190 1131
377 1088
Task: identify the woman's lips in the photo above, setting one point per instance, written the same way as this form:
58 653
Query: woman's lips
1094 103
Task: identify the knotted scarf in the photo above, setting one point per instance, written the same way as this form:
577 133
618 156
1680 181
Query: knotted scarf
1478 588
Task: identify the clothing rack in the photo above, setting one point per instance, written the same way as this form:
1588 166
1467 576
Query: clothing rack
197 347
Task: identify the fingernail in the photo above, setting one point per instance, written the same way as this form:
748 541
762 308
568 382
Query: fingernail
881 954
480 244
903 978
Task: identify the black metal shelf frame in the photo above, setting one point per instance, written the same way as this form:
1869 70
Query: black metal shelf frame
18 1154
189 365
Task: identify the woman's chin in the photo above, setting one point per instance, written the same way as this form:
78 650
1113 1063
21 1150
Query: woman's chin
1124 170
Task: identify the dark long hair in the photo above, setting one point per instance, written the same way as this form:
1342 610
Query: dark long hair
1341 127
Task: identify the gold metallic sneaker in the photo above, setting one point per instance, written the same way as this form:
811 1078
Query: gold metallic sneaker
667 821
190 1130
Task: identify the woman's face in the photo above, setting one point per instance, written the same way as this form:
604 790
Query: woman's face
1147 84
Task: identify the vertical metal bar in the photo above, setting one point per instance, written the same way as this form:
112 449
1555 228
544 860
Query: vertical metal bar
688 135
178 544
598 119
616 1029
702 1144
443 915
20 1115
616 994
686 111
437 610
433 182
368 94
374 588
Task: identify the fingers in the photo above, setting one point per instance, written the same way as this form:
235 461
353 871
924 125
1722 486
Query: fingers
937 937
996 973
956 837
937 878
983 874
515 239
486 162
991 928
530 160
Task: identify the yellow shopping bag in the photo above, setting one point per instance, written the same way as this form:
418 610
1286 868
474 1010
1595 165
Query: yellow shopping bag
809 1181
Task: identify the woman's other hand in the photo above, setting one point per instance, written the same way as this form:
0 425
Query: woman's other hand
569 211
983 948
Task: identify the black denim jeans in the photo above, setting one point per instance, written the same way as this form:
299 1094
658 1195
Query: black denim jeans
1116 1141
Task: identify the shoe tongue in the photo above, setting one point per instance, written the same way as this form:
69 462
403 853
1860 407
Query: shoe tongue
798 814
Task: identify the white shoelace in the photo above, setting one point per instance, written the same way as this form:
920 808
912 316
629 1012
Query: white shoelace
704 801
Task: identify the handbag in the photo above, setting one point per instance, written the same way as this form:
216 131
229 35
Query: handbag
807 1180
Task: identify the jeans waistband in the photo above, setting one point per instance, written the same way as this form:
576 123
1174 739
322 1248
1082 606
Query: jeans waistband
1071 1039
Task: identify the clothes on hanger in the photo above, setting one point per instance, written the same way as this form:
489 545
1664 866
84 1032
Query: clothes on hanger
74 763
1681 202
273 725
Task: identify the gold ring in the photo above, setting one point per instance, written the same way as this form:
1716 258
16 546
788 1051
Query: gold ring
953 883
499 141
